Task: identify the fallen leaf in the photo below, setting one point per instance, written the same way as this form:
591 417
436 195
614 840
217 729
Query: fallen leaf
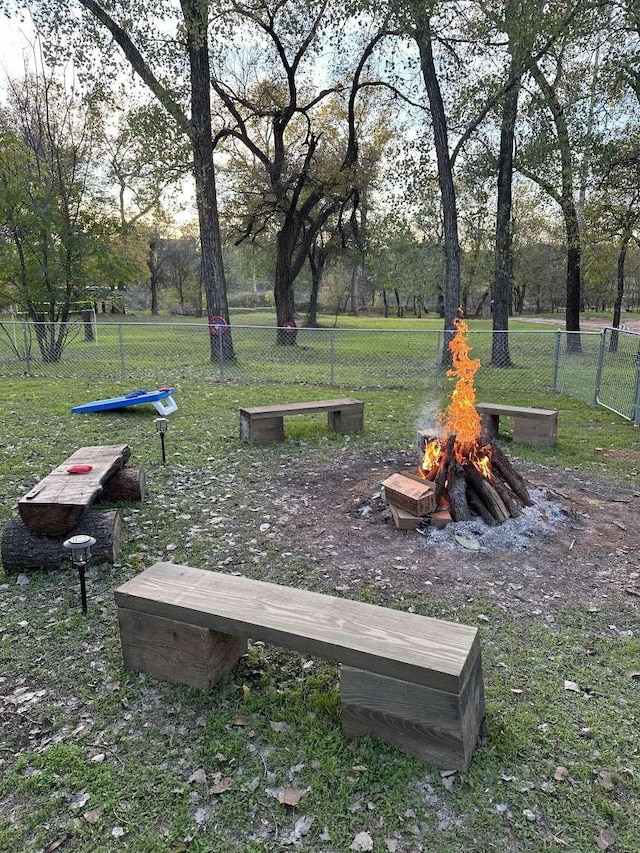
302 826
634 673
93 815
245 691
325 835
561 774
117 832
605 838
199 777
221 786
469 544
571 685
55 845
529 815
98 759
242 720
201 815
605 779
362 841
391 844
289 796
79 800
278 726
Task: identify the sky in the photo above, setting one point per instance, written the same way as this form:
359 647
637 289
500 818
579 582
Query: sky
14 47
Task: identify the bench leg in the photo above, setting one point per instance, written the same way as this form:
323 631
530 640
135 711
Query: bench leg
489 425
261 430
541 431
177 652
437 727
347 420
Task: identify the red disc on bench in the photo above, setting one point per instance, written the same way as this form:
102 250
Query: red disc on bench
79 469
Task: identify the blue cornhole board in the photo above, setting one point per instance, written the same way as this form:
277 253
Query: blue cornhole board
135 398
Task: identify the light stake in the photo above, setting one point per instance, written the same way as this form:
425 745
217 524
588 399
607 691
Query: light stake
162 425
80 547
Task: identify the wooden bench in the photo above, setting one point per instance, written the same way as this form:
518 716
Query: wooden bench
262 424
413 681
530 426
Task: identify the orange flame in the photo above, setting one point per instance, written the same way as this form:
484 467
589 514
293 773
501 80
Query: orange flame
461 417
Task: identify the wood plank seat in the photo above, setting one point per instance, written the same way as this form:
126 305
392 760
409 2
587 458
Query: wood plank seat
57 503
530 425
262 424
413 681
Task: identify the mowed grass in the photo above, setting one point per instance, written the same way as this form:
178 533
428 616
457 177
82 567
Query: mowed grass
96 758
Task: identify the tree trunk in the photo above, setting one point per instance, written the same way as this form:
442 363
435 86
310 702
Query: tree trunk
617 308
422 36
212 275
317 258
154 278
500 355
569 210
87 321
283 291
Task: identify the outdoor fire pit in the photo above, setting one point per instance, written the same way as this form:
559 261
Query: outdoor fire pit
462 473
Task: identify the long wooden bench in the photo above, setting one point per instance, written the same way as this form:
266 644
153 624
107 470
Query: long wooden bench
59 501
413 681
262 424
530 425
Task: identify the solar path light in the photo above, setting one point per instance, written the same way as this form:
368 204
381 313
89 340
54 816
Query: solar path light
80 547
162 425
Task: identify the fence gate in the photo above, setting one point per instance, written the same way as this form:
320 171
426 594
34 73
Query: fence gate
618 373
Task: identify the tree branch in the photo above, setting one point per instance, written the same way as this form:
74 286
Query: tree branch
139 65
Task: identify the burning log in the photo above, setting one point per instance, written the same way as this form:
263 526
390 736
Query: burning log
510 475
457 492
505 495
476 503
486 493
443 466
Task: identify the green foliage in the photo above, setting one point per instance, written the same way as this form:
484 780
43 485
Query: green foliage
57 248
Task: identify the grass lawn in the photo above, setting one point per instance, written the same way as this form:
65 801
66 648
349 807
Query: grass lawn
93 758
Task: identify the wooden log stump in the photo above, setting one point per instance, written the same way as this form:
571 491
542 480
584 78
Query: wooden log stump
127 484
22 549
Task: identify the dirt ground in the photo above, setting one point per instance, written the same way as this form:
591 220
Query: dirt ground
578 544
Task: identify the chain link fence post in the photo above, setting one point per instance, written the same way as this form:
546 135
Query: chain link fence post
121 347
599 365
557 343
636 405
27 349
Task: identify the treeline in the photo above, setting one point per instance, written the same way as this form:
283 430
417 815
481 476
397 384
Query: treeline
391 156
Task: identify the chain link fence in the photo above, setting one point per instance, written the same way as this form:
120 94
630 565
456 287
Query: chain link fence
598 368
